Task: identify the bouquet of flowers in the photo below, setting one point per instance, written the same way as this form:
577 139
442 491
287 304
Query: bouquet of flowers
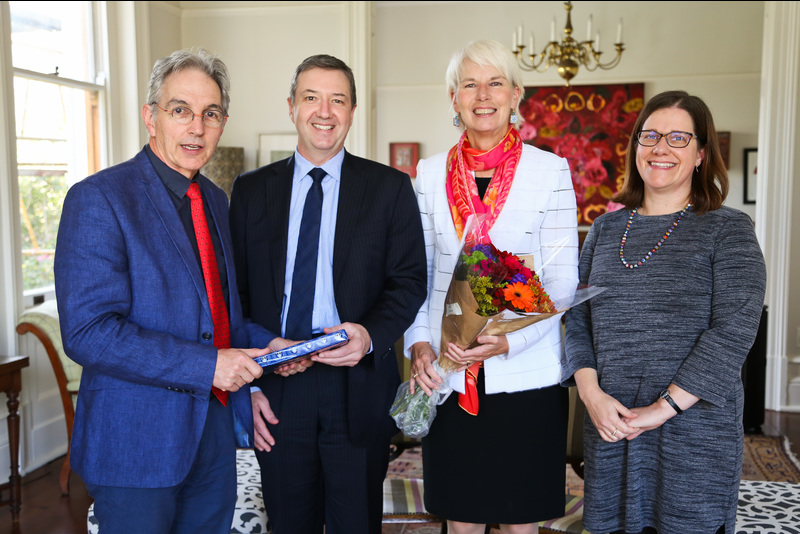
492 292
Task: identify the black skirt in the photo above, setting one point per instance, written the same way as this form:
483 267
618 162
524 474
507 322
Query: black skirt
506 465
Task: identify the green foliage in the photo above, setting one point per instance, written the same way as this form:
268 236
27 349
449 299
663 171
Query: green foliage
482 289
41 196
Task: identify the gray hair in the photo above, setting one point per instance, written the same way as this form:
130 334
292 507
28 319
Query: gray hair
485 53
190 58
324 61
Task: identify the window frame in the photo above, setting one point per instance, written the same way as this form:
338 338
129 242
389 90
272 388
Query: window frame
98 64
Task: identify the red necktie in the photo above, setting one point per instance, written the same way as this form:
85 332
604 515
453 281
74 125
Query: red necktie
208 259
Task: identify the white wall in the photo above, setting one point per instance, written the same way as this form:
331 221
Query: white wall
262 43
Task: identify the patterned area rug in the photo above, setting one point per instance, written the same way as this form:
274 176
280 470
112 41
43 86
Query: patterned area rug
766 458
769 495
770 459
768 508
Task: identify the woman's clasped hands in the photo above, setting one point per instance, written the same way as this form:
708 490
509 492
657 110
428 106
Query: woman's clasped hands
610 417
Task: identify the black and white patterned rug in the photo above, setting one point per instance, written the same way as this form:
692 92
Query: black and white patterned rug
764 507
768 508
250 516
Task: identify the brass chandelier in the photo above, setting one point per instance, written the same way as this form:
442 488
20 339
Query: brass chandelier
569 54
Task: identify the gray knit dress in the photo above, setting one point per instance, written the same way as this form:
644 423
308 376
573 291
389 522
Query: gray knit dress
688 315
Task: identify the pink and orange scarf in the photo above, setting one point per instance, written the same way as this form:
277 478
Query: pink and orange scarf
462 196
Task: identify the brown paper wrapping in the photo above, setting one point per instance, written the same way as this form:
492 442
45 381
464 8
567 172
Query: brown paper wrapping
462 325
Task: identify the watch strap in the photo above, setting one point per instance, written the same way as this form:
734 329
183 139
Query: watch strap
666 396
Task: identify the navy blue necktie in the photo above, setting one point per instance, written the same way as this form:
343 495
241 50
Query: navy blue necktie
304 279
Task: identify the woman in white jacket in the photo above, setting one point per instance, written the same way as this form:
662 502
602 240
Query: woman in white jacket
500 459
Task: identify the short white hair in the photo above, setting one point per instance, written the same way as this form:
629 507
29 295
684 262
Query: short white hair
485 53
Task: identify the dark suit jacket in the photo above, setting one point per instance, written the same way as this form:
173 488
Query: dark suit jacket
134 313
379 272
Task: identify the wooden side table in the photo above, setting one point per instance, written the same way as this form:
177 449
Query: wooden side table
11 384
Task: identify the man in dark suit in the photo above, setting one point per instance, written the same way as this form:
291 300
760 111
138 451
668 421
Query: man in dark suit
322 426
150 310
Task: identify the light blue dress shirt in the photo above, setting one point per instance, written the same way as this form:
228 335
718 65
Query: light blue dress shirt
325 313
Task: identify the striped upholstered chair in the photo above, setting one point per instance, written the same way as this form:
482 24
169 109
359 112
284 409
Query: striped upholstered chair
42 321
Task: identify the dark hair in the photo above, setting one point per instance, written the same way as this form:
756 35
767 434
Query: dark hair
324 61
709 183
190 58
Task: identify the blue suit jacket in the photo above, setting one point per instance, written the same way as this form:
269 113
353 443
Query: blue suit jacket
134 313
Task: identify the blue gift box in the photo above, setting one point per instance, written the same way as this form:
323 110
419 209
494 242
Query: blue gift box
302 350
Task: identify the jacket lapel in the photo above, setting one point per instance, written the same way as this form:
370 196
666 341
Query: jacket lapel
158 196
219 214
278 196
351 194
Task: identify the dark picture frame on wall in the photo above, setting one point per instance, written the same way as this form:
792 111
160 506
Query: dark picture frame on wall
725 147
404 157
750 175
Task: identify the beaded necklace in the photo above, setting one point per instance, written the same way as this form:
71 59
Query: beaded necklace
658 245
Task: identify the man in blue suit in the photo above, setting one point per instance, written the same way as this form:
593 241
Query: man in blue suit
154 445
322 426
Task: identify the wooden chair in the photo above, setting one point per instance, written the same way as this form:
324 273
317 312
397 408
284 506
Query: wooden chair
42 321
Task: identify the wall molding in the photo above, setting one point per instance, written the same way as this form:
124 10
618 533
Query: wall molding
777 142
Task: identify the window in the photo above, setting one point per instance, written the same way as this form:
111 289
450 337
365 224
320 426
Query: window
58 95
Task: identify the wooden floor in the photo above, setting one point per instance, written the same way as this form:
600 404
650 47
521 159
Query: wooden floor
46 511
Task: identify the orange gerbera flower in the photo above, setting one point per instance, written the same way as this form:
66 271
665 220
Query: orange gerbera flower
520 295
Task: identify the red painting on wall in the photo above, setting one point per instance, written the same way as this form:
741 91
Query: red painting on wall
590 126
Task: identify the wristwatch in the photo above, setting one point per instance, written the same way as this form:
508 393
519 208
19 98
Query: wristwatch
665 395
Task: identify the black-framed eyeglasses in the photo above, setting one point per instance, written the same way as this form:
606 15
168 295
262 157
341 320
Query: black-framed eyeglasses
213 118
674 139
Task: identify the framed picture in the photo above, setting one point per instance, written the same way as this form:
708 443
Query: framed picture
404 157
590 126
275 147
750 175
725 147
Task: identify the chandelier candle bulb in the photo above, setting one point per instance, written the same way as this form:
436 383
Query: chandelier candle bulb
619 32
589 29
519 35
531 43
514 41
553 30
597 42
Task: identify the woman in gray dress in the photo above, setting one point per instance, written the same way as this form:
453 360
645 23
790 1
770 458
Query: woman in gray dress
657 357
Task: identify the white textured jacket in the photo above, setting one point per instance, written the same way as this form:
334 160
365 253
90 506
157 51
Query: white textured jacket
539 218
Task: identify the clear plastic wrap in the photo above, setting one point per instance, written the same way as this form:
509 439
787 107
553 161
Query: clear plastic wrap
414 413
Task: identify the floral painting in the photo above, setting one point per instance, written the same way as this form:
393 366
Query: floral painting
590 126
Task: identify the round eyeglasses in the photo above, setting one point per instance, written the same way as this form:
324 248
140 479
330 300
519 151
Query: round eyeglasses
674 139
212 118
